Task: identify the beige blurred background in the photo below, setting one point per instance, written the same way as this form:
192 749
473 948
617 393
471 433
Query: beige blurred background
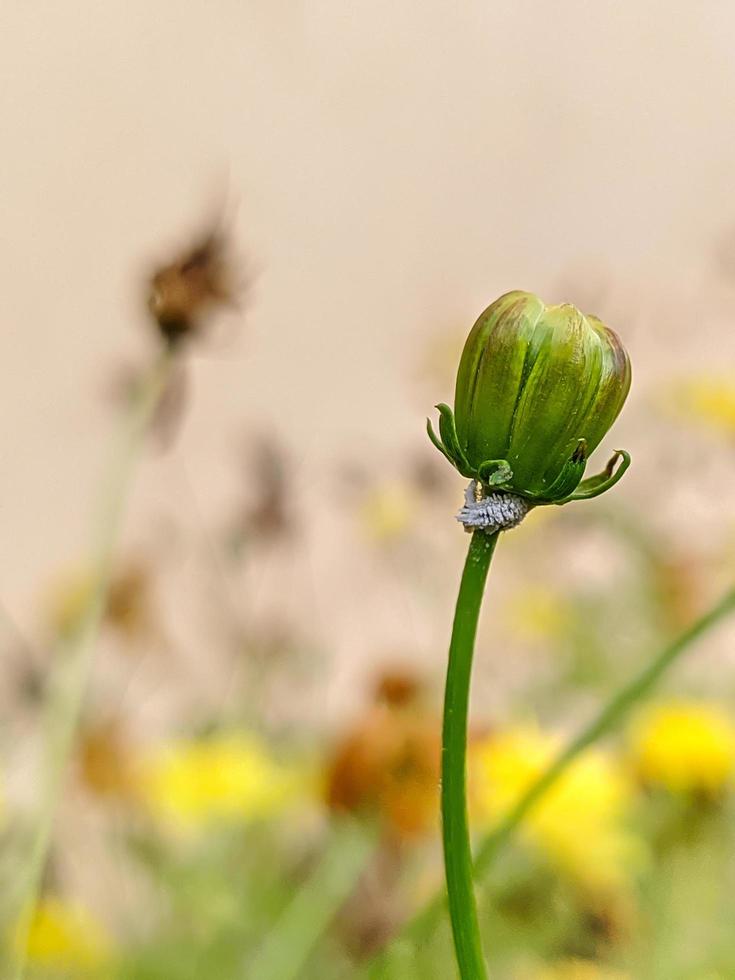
388 169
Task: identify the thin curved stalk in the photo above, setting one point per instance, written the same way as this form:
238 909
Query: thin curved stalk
290 943
455 826
612 715
68 686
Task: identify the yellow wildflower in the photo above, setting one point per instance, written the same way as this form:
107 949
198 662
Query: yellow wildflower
685 746
386 512
579 824
64 935
537 614
706 399
190 784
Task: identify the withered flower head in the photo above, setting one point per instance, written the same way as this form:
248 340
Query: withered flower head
388 767
398 687
105 760
267 516
182 293
129 610
129 602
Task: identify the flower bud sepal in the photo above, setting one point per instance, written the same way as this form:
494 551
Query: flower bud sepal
594 486
497 474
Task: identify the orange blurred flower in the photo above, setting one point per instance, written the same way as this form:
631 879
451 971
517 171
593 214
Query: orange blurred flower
388 765
106 764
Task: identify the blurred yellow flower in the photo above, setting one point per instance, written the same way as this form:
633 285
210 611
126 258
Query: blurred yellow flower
387 512
64 935
685 746
189 784
579 825
538 613
574 970
705 399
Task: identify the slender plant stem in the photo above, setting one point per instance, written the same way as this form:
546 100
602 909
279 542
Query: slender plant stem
69 684
455 826
612 715
291 941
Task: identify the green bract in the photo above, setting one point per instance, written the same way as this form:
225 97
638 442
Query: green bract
537 389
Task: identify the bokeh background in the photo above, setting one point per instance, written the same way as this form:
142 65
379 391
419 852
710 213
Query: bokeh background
383 172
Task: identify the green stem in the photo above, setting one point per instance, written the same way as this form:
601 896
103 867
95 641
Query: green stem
611 715
455 827
68 686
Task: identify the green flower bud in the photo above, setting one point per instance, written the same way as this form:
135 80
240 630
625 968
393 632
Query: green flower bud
538 387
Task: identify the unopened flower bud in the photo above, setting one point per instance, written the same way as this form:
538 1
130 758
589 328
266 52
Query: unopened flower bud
538 387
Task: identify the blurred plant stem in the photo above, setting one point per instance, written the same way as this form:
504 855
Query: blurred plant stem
75 658
455 823
288 946
423 924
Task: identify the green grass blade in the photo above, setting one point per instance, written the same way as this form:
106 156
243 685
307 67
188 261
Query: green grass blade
289 944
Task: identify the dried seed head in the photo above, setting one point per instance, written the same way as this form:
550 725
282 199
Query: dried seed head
182 293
